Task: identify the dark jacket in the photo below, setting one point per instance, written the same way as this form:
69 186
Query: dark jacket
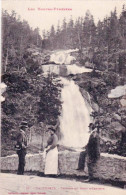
21 141
93 147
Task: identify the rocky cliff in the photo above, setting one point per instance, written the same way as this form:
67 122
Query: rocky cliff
110 112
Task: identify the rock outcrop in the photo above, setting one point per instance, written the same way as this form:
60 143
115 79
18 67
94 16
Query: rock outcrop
110 112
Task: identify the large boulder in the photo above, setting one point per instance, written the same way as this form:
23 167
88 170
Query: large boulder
89 65
123 120
117 92
123 101
116 117
95 106
117 126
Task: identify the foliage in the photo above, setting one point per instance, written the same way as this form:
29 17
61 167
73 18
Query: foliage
17 36
103 44
49 104
32 97
25 97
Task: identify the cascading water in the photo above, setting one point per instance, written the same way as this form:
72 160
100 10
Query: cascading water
75 116
63 57
75 112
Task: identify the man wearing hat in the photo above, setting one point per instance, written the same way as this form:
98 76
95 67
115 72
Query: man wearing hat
21 147
92 149
91 152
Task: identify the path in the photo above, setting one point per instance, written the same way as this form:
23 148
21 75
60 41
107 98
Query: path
15 184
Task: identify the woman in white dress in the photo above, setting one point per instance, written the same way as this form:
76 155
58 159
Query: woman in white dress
51 161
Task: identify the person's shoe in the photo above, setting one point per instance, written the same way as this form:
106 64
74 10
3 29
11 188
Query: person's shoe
88 180
78 169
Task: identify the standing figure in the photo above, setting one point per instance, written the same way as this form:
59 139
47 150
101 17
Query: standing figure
51 162
92 150
123 143
21 147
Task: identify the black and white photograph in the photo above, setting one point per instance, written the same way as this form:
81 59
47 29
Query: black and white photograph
63 97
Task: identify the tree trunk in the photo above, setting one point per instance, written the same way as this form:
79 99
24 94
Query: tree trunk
21 48
107 57
80 46
6 61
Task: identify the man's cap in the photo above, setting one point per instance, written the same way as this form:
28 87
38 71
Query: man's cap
51 128
24 124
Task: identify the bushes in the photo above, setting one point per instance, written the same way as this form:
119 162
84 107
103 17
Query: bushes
6 126
15 83
49 104
9 108
29 97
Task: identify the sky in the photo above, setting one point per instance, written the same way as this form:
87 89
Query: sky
45 18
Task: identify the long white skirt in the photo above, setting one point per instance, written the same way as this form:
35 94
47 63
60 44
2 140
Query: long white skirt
51 162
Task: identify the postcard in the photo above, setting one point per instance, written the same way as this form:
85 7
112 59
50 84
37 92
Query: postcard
63 97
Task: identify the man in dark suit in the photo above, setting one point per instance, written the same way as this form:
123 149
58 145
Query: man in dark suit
21 147
92 150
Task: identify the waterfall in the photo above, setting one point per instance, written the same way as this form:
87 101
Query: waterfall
75 116
51 68
76 111
63 56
